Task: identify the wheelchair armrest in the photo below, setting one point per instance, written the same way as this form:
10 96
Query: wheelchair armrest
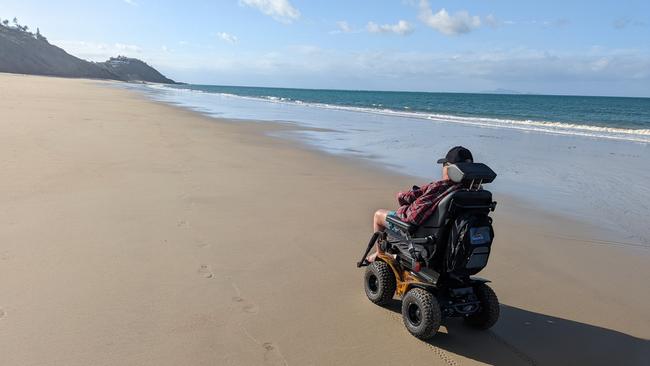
401 224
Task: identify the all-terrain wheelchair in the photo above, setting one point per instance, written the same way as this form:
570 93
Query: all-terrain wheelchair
431 266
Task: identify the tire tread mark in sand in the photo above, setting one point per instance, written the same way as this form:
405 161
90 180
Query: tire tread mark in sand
599 242
519 353
442 354
446 357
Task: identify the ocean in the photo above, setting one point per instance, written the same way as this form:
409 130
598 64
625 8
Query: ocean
583 157
612 117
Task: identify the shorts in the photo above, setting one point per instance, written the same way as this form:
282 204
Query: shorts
388 224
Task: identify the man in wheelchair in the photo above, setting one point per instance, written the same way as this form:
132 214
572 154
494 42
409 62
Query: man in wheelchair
428 250
418 203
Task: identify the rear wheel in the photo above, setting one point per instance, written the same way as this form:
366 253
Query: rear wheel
421 313
379 282
488 314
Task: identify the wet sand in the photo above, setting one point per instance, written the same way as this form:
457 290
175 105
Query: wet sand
134 232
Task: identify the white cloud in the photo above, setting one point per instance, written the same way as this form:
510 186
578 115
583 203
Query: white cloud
131 2
127 47
402 28
458 23
600 64
492 21
584 71
625 22
621 23
227 37
280 10
562 22
94 51
344 26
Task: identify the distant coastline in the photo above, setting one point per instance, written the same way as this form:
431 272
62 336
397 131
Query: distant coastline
24 52
502 91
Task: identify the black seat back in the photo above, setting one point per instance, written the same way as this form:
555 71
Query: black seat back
471 196
466 211
449 207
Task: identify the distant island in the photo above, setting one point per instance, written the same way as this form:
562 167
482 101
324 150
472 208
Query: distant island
502 91
24 52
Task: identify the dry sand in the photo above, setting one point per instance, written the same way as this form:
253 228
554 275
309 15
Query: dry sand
134 233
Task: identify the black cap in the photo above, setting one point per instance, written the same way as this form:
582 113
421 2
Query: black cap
457 154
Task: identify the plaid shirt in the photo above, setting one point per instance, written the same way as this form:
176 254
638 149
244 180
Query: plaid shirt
418 204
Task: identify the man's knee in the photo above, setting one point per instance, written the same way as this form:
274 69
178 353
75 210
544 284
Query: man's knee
380 215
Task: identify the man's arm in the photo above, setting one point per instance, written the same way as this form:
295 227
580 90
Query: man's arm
419 209
407 197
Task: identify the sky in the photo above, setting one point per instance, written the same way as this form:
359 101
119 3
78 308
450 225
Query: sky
545 47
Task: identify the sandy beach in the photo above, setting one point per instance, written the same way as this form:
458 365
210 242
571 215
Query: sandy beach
137 233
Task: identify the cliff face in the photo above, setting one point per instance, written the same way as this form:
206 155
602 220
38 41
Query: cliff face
23 52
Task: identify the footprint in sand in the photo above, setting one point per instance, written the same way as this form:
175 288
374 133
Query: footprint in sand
183 223
204 270
250 308
5 255
272 355
2 313
202 244
245 305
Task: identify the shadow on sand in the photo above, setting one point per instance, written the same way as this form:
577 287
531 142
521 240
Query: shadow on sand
528 338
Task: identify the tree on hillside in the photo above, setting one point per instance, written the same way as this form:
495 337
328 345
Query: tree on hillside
39 36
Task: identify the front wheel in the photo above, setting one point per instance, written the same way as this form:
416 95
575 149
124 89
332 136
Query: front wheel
421 313
379 282
488 314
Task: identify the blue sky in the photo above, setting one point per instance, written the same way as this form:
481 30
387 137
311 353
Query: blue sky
551 47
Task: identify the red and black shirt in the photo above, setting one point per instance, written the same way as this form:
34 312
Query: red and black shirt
417 204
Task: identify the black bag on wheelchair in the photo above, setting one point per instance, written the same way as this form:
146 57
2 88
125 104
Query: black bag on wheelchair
469 243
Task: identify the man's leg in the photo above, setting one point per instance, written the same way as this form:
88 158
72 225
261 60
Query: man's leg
379 221
378 224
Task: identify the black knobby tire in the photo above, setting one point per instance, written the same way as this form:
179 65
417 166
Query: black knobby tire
379 283
488 314
421 313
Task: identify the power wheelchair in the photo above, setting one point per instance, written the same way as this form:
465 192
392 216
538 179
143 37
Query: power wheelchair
431 265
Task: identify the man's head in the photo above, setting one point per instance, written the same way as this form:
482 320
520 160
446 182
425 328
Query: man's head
457 154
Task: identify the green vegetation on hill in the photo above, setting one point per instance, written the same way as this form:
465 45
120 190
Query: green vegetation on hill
24 52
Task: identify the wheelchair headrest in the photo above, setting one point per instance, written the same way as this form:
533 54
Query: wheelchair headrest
465 173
